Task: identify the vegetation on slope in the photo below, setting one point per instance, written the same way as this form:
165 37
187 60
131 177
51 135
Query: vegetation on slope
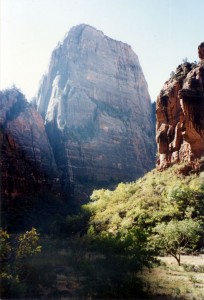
99 252
157 205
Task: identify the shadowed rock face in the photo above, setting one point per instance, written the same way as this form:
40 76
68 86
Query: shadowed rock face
97 111
180 114
26 162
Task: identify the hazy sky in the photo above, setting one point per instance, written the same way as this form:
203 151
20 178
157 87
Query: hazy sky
161 32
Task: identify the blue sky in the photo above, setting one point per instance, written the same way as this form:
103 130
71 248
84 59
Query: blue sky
161 32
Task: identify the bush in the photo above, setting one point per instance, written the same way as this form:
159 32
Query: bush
14 251
160 202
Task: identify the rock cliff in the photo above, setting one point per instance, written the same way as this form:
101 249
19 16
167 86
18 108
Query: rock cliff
97 110
27 161
180 114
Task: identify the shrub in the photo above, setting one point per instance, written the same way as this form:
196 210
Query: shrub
14 251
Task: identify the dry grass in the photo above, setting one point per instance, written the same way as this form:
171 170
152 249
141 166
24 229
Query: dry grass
185 259
170 281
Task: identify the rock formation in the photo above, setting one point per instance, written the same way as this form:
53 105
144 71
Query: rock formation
95 103
26 162
180 114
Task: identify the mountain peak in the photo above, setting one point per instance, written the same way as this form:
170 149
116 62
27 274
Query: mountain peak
84 26
95 102
78 30
88 31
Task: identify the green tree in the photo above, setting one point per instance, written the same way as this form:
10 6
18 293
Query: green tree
27 244
176 236
13 252
5 247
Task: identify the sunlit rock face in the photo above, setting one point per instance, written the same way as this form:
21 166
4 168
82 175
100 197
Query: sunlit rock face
26 161
180 114
95 103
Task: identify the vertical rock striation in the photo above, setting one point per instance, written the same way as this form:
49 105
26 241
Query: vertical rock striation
97 111
180 114
27 161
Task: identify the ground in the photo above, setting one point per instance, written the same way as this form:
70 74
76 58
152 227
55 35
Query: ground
170 281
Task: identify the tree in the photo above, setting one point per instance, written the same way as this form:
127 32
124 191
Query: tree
176 236
13 252
5 247
27 244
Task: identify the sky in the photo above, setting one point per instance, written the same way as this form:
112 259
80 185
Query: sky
161 32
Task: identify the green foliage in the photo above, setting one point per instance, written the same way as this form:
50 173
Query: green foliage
177 235
77 224
158 201
5 247
188 200
27 244
14 251
157 197
110 241
132 245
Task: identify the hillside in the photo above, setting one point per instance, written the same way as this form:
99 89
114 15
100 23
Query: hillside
108 249
157 197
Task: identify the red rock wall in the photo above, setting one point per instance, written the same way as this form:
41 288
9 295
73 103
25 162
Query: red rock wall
180 115
26 160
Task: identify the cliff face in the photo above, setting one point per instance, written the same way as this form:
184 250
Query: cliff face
180 114
97 110
26 162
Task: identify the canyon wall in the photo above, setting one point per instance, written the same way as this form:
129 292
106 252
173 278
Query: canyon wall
180 114
27 161
97 111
